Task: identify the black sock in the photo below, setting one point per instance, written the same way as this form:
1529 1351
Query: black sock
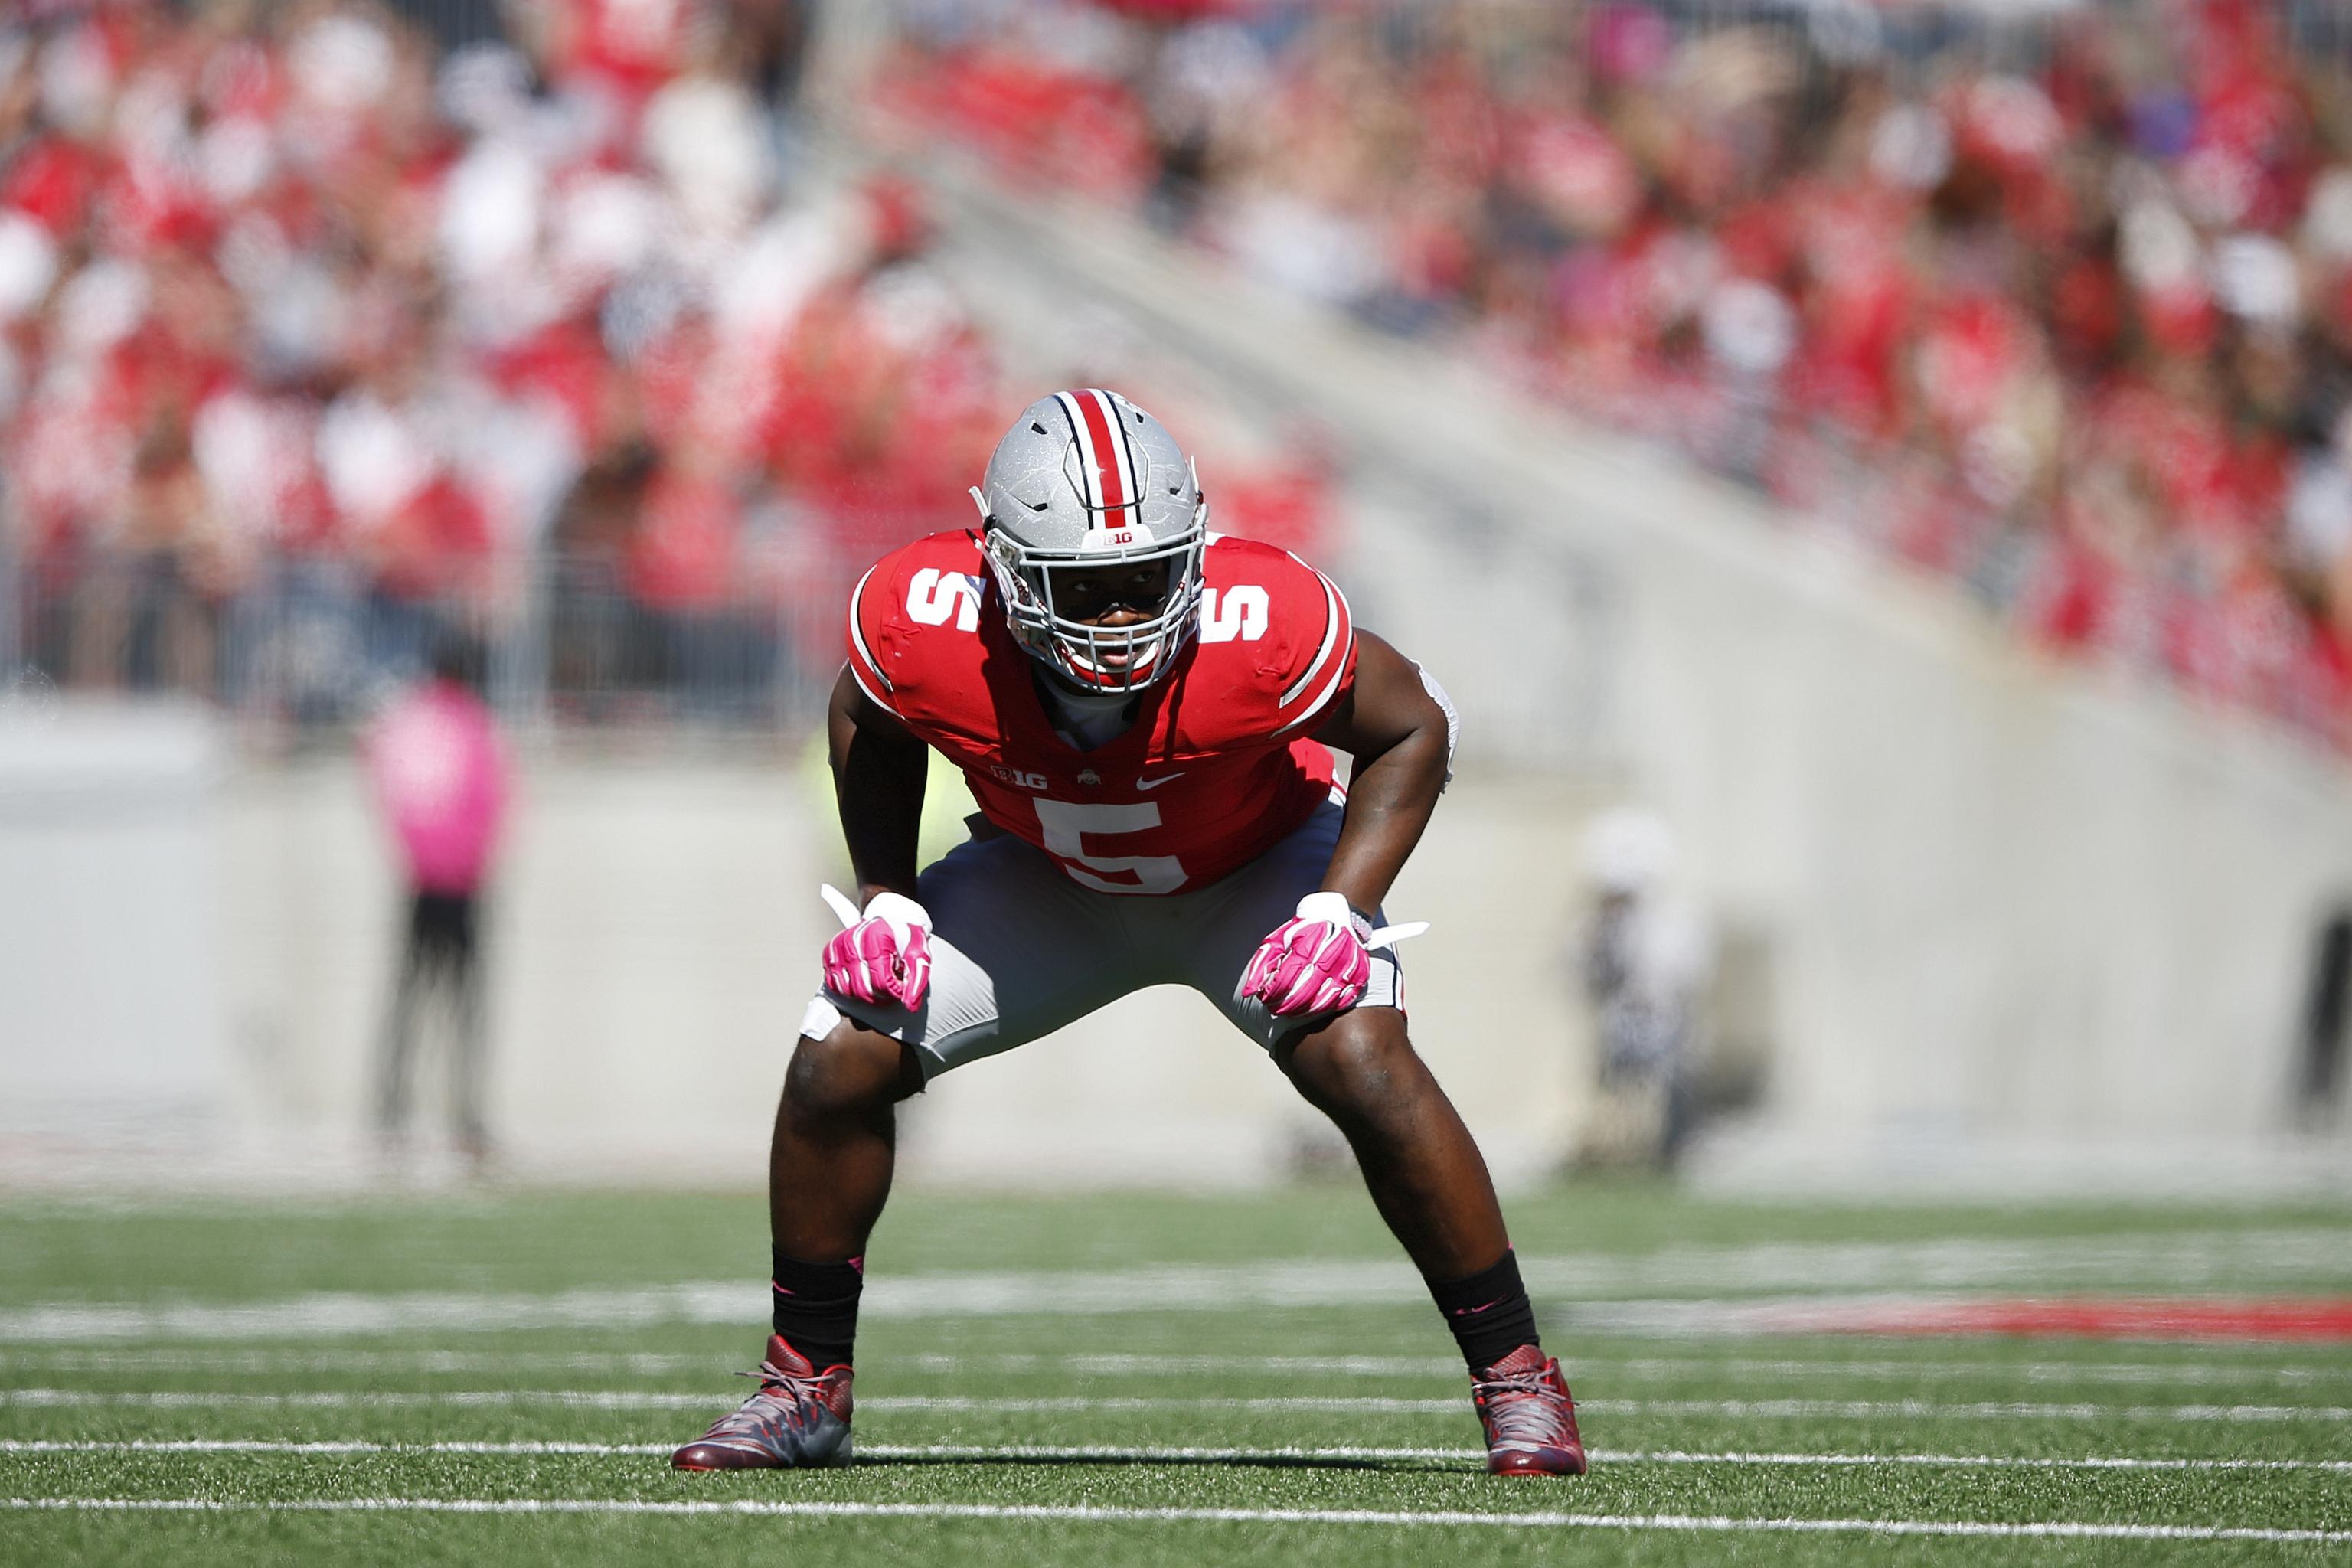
1490 1312
817 1306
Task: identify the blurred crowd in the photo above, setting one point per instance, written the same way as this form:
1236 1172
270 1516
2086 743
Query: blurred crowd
315 338
2057 302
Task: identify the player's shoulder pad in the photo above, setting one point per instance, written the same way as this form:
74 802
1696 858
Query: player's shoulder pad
1286 625
916 606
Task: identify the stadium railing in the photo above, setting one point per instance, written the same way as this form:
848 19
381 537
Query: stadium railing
308 643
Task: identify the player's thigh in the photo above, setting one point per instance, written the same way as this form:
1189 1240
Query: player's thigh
1221 927
1017 951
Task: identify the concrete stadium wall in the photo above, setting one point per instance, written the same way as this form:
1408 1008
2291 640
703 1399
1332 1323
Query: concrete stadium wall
112 975
2014 913
196 993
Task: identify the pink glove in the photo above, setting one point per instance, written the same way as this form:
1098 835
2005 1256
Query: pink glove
1320 960
884 955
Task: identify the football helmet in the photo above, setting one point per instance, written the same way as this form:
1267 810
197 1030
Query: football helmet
1083 481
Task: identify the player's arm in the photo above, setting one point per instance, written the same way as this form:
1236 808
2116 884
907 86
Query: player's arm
878 768
1393 726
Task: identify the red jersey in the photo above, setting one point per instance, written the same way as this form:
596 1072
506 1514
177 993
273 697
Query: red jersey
1214 771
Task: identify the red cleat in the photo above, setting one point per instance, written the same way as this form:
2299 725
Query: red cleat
1530 1416
798 1420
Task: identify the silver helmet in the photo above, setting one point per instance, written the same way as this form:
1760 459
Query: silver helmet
1084 480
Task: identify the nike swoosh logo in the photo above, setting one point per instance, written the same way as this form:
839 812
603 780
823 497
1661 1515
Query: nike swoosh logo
1155 784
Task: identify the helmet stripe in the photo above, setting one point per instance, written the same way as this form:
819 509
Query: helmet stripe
1108 452
1090 468
1130 472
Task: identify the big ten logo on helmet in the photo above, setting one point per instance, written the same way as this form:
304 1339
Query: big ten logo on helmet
934 595
1017 778
1239 611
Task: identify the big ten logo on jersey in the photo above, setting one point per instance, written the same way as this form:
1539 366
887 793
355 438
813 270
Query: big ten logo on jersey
934 595
1017 778
1239 611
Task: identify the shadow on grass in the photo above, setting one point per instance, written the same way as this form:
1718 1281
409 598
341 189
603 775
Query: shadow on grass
1180 1461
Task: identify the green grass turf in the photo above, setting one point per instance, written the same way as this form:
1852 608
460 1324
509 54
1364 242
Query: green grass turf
63 1249
485 1383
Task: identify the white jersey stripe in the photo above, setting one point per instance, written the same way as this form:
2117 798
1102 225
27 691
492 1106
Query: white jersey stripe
1330 636
1339 666
1321 700
857 641
872 695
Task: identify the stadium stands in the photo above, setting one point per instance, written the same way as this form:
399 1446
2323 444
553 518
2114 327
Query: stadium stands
313 338
2057 303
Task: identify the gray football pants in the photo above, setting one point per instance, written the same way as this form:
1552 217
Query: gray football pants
1018 950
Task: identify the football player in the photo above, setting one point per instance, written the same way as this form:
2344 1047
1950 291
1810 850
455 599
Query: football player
1144 711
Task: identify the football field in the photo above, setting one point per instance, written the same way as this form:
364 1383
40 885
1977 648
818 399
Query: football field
1157 1379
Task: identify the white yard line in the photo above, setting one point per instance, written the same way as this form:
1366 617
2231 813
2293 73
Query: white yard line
1968 1461
1574 1359
2137 1373
1178 1455
325 1446
1988 1410
420 1362
1093 1514
672 1364
340 1315
639 1399
1589 1290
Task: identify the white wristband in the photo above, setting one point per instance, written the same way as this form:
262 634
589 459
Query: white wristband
1333 908
900 912
897 911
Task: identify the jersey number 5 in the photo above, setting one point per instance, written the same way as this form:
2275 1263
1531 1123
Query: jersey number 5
1239 611
933 598
1066 825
